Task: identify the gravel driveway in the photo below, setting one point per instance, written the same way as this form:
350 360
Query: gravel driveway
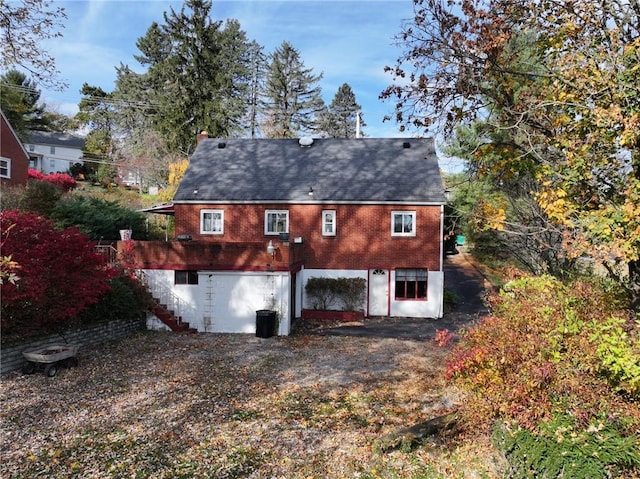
165 405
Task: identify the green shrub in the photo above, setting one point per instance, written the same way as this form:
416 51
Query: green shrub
322 292
41 197
562 448
127 299
350 293
99 219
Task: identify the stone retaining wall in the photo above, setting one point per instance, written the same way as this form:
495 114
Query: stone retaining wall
11 357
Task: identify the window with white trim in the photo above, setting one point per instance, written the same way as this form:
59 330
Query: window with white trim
5 168
411 283
276 222
211 222
403 223
328 222
52 150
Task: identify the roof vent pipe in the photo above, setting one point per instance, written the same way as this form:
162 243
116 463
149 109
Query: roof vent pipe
305 141
222 144
203 135
406 144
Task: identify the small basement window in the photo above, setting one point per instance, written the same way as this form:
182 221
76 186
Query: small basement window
186 277
411 284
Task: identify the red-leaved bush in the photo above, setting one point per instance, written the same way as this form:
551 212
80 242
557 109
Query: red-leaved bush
62 180
59 273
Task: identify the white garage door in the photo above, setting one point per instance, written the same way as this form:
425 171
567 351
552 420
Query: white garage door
230 300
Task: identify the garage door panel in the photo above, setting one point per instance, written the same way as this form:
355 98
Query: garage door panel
235 298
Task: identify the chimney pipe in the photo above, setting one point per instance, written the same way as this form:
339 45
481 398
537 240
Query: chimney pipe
201 136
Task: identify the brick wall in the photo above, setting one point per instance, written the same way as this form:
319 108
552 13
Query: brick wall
11 148
363 233
88 337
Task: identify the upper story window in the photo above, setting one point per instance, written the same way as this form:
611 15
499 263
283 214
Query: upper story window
32 147
411 284
211 222
186 277
52 150
276 222
403 223
328 222
5 168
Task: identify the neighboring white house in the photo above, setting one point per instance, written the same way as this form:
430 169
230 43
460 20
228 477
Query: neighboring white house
52 152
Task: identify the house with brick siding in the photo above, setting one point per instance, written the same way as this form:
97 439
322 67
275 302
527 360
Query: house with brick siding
14 160
255 219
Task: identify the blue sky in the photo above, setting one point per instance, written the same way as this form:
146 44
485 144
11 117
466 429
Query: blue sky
347 40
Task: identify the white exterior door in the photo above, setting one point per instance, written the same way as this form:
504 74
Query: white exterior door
378 292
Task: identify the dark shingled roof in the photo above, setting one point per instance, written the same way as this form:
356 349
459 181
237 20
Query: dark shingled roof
362 170
55 139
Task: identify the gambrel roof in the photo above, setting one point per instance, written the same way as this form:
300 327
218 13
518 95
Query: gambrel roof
360 170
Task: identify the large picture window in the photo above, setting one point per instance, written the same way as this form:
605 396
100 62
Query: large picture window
411 284
328 222
403 223
212 222
276 222
186 277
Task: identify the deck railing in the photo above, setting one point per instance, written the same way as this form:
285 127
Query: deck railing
109 252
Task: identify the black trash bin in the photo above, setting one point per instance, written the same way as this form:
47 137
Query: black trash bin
265 323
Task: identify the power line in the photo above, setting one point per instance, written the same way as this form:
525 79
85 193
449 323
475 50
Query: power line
122 103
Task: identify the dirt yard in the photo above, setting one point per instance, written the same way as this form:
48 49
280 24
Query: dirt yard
162 405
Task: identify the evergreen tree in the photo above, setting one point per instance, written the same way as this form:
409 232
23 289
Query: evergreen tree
257 76
341 118
19 100
293 102
96 110
197 75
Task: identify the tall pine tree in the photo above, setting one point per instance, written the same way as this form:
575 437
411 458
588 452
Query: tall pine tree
197 76
341 118
20 99
292 99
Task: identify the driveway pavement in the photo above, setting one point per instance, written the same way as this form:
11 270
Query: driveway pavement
461 278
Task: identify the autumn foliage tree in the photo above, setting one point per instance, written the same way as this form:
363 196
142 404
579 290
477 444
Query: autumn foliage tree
557 368
59 274
557 86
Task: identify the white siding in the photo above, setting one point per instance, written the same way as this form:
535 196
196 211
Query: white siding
224 302
60 161
431 308
325 273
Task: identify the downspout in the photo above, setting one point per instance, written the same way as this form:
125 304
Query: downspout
441 305
442 238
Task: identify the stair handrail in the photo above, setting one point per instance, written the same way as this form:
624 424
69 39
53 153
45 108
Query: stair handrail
162 293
